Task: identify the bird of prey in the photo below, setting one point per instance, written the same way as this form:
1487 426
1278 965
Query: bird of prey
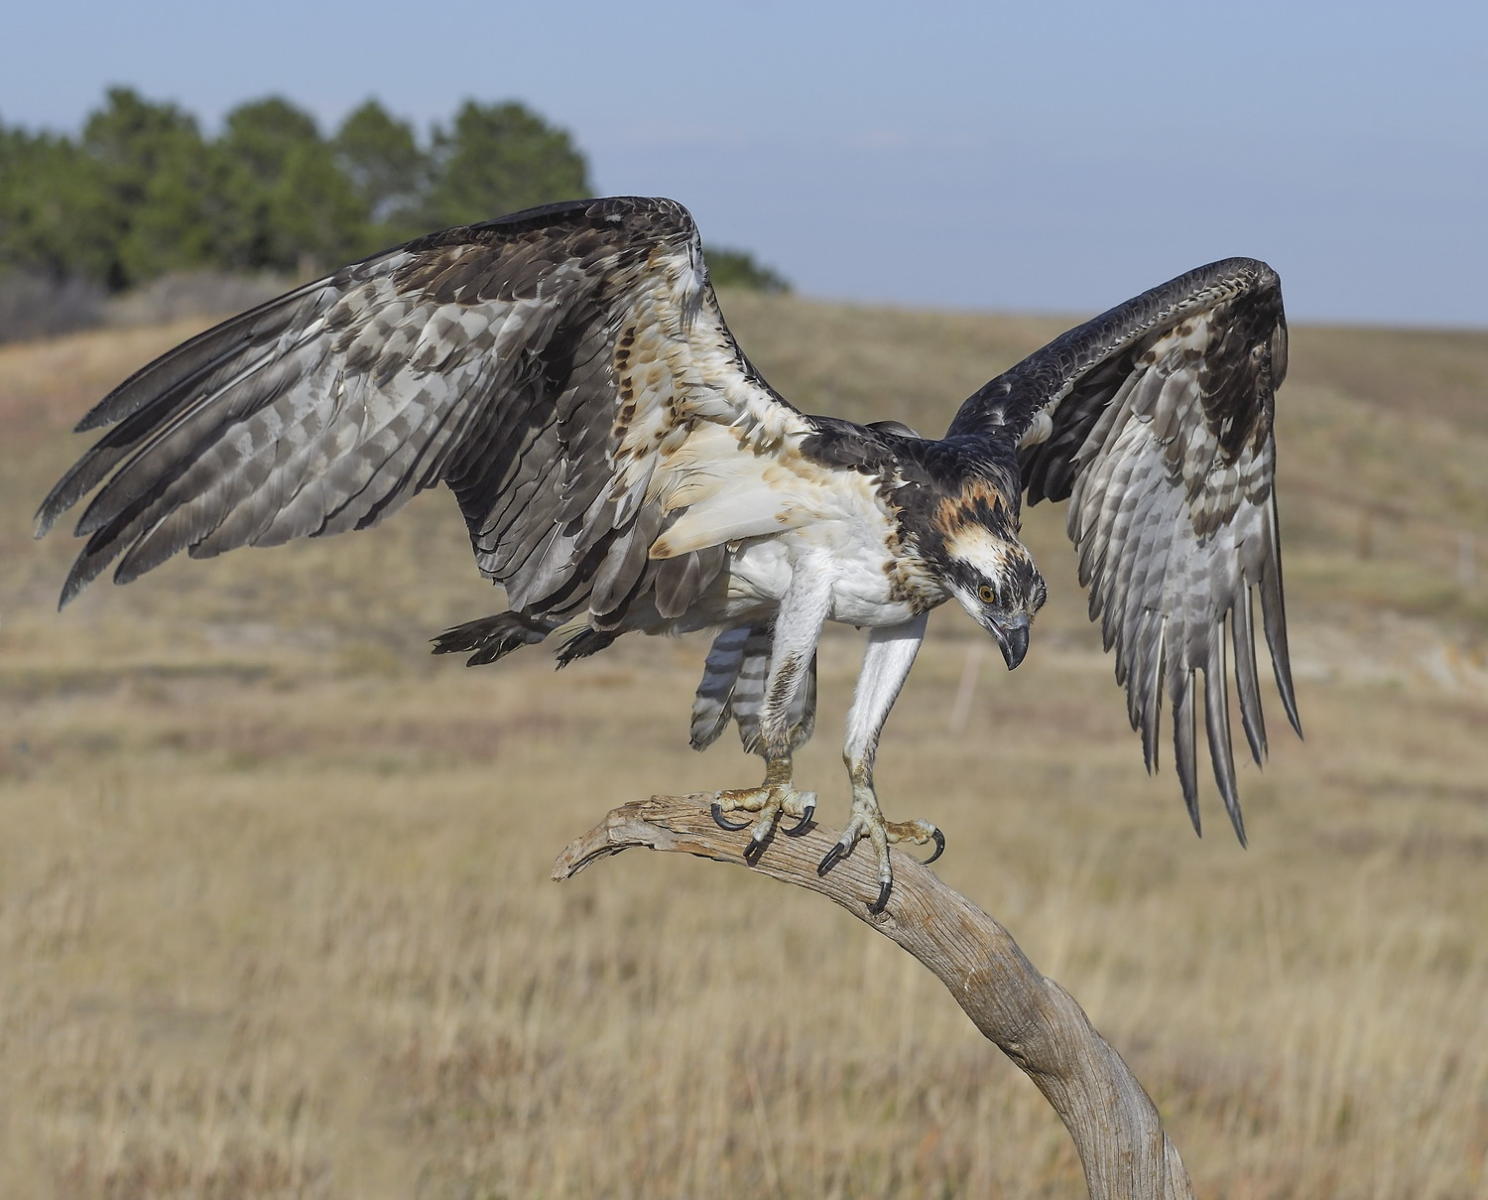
621 467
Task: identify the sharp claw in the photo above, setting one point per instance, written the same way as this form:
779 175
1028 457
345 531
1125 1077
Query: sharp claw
939 846
753 851
831 858
884 888
722 824
803 826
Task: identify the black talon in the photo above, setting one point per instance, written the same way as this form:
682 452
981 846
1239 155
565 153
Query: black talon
753 851
939 846
831 858
803 826
722 824
884 889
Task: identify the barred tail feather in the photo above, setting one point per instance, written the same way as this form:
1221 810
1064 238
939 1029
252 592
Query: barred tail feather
733 686
712 706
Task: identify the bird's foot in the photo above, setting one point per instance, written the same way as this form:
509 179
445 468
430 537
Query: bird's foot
868 822
766 804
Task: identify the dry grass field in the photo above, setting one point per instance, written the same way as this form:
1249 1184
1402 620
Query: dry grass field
275 917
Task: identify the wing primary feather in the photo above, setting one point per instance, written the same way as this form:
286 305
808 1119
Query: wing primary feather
1217 728
1273 620
1183 742
85 474
181 367
188 432
1242 632
1152 694
160 397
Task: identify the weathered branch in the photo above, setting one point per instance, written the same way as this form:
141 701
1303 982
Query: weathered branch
1033 1020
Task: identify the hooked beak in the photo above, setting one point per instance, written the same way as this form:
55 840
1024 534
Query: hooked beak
1012 638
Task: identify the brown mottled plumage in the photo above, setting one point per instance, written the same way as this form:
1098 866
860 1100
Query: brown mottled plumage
622 467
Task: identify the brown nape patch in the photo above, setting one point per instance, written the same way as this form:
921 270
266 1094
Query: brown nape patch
979 502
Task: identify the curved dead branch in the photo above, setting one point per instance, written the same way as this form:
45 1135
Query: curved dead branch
1034 1021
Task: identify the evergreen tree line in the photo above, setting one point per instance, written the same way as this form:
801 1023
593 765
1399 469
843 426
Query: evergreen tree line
142 191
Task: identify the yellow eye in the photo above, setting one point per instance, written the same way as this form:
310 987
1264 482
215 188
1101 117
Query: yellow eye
986 594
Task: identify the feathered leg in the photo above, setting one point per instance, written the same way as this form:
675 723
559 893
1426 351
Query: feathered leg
803 610
891 652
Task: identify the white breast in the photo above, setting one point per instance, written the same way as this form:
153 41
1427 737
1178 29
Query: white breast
838 527
855 557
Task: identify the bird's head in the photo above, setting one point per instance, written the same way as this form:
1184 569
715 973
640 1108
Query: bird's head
996 581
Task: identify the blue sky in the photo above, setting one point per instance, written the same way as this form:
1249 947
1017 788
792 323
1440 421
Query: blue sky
1050 156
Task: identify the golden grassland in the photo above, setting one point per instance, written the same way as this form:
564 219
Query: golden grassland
275 917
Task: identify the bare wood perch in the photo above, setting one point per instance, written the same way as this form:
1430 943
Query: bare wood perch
1035 1022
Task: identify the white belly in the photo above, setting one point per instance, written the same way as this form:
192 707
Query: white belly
856 560
833 525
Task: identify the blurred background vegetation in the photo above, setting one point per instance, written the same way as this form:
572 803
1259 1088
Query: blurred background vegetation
275 919
144 202
274 911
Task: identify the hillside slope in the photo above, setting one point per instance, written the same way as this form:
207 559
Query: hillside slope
273 902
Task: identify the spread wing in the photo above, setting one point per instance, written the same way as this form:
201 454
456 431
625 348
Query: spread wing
1155 421
565 370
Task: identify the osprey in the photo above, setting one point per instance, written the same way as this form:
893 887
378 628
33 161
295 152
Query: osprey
621 466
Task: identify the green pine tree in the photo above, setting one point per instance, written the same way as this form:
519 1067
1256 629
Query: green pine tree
55 218
497 158
389 171
292 209
737 268
130 142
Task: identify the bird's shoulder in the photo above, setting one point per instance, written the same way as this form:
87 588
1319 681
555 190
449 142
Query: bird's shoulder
931 486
